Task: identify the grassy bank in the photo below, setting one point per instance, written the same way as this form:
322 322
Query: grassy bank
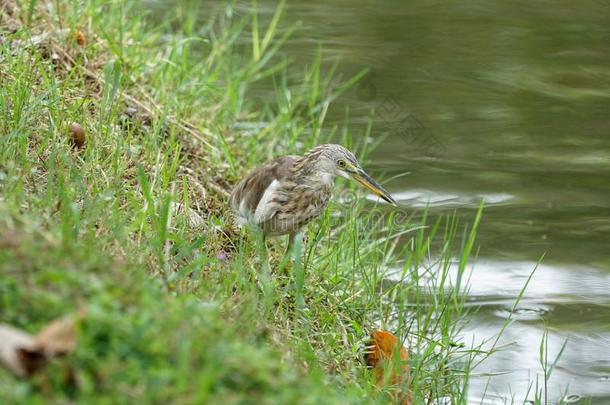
134 221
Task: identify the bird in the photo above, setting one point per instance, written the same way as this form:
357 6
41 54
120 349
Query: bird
284 195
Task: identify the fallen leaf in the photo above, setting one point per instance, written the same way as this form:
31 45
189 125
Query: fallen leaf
12 341
384 349
24 354
57 338
31 359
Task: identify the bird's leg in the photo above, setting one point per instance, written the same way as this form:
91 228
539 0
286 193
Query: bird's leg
296 240
291 241
292 238
265 253
293 250
261 247
265 281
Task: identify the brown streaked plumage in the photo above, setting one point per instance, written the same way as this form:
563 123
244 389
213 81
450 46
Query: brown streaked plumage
287 193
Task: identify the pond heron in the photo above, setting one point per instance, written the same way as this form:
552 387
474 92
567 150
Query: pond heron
282 196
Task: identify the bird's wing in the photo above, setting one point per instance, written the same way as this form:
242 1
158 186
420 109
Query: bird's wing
265 209
251 196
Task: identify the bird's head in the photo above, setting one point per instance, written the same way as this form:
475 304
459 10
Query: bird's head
338 161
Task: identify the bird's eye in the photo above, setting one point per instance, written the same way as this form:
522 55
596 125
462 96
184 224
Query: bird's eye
341 163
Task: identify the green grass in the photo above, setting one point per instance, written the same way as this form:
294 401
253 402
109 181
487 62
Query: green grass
136 224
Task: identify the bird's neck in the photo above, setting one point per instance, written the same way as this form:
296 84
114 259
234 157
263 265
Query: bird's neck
326 179
312 171
323 179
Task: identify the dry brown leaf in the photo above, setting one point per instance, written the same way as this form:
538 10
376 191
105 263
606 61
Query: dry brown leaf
57 338
12 341
23 354
382 349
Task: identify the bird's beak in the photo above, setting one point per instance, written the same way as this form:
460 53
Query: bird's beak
361 177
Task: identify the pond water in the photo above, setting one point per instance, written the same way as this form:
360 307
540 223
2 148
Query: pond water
509 101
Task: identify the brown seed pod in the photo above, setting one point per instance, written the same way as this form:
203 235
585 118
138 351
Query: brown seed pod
80 38
77 135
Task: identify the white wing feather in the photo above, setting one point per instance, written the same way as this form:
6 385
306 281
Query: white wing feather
263 210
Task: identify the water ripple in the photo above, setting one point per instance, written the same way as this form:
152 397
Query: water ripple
428 198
